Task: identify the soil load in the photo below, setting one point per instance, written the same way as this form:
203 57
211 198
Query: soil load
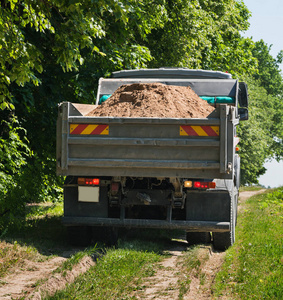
153 100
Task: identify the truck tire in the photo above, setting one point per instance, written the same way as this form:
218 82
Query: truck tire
112 237
237 172
106 235
195 238
79 235
223 240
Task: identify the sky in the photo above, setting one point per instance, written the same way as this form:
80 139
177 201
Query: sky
266 23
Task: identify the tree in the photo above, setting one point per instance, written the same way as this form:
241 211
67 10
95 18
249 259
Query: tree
262 135
257 134
66 30
204 34
43 45
269 76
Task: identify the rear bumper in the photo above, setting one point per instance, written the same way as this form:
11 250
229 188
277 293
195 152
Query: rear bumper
204 226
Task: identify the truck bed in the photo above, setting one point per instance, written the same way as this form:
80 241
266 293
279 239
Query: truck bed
145 147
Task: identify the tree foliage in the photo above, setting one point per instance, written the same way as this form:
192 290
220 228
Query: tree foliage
14 152
268 74
262 135
204 35
68 30
53 51
258 140
269 77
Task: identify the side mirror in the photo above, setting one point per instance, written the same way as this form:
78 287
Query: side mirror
243 94
243 114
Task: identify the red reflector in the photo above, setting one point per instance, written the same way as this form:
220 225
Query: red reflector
212 185
88 181
81 181
204 185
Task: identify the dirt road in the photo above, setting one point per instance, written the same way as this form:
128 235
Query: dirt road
185 273
174 281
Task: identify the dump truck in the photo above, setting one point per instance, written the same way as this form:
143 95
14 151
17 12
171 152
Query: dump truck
163 173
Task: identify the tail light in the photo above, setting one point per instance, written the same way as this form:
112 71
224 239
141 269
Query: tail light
199 184
204 185
88 181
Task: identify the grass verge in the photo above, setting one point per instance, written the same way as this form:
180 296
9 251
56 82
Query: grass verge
254 266
36 240
13 254
251 188
41 210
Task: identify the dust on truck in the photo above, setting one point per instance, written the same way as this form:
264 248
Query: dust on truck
172 173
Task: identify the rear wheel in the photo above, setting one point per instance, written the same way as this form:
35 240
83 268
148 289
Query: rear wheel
79 235
107 235
194 238
223 240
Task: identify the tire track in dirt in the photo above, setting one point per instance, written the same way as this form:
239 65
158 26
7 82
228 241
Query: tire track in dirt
163 285
59 281
25 281
22 281
246 195
169 277
202 279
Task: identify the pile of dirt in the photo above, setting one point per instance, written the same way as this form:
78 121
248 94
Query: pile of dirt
154 100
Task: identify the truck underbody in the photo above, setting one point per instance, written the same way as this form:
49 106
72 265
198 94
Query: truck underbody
161 203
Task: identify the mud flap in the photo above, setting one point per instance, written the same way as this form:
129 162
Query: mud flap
223 240
208 206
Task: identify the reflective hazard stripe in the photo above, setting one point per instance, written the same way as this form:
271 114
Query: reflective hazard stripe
186 130
94 129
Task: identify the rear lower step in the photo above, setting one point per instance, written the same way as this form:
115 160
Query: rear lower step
204 226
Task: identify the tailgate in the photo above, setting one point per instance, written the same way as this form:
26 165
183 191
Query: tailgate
145 147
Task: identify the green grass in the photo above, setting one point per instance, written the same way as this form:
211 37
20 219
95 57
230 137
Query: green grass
192 260
40 237
254 266
189 262
251 188
41 210
94 252
12 254
42 229
115 276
